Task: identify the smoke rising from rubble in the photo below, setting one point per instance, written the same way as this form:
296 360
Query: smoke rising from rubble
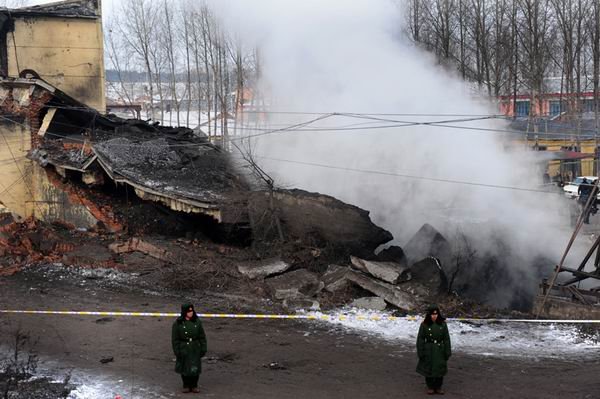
340 56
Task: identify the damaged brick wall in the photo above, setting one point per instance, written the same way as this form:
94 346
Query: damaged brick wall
16 108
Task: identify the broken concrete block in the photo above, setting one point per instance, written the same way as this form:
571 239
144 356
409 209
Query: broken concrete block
387 271
265 269
295 284
388 292
429 273
136 244
334 278
370 303
428 242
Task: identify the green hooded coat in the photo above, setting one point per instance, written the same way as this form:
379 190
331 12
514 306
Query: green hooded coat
189 343
433 349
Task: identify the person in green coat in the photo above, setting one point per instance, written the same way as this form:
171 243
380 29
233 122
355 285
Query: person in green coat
433 350
189 345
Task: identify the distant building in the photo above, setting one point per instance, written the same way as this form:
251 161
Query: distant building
61 43
553 102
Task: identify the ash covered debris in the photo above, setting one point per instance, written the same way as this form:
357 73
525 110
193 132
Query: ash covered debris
171 166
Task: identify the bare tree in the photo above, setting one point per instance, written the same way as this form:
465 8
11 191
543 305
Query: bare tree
170 50
535 36
462 256
120 63
137 25
187 37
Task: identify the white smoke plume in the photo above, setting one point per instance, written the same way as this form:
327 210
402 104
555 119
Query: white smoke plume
351 57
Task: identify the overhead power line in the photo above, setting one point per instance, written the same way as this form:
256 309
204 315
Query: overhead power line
303 126
394 174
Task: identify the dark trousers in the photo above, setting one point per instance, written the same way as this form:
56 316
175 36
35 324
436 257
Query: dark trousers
583 201
434 383
190 381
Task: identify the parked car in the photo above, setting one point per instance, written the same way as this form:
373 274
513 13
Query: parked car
571 189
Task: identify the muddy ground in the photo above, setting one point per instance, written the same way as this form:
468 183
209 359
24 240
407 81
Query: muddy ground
308 359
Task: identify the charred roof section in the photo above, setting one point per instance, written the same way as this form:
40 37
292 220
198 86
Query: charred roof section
62 9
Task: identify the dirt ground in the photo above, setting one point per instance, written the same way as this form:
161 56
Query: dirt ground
308 359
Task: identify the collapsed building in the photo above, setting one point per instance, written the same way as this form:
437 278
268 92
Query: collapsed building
52 108
52 92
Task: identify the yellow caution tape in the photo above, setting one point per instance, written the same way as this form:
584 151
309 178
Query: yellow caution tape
309 316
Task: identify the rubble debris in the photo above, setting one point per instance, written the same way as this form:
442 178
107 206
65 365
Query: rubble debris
335 279
428 272
393 253
370 303
388 292
428 242
139 245
264 269
182 172
30 241
295 284
387 271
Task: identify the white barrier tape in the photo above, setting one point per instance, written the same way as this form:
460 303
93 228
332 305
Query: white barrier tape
312 316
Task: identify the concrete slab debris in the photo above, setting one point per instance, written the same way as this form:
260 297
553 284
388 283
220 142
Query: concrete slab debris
390 272
390 293
264 269
370 303
295 284
335 279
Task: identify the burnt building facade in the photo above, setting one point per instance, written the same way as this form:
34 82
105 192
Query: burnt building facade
60 43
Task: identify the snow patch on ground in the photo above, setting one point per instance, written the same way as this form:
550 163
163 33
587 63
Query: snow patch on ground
109 390
510 339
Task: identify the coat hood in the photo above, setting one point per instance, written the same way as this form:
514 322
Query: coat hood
184 308
434 308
